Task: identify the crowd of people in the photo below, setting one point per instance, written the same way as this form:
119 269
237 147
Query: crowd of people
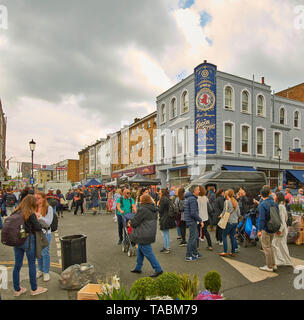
200 211
194 214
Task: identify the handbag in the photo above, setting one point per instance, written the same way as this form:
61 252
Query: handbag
62 201
41 243
224 218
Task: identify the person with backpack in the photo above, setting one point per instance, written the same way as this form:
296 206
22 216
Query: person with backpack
180 203
203 204
268 211
44 213
70 198
2 203
26 209
52 199
124 205
60 205
192 218
166 222
218 206
10 202
281 252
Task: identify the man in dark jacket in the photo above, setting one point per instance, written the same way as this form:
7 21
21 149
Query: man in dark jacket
243 200
264 233
192 218
11 200
144 233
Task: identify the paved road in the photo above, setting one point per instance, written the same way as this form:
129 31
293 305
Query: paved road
241 278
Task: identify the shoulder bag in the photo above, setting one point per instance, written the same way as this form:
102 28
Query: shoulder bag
224 218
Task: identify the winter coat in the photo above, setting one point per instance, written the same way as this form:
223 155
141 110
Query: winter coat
144 224
218 206
191 212
165 221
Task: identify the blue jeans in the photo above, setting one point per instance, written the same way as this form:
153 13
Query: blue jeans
145 250
45 261
192 242
31 258
231 231
120 227
54 209
166 237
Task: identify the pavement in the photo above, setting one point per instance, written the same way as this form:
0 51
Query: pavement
241 277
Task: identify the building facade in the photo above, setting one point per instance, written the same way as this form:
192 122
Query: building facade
3 124
84 163
252 129
137 145
43 175
66 171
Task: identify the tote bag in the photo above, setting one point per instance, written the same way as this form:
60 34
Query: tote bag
224 218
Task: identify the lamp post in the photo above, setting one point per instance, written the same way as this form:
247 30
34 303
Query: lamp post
279 155
32 148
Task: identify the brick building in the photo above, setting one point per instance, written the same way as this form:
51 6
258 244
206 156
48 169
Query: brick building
293 93
84 163
66 171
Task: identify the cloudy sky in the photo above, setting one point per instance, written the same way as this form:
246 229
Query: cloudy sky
71 71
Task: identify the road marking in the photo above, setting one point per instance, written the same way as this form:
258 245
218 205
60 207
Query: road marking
58 245
252 273
297 262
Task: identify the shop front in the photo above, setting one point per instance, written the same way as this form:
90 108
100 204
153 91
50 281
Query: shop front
179 177
147 171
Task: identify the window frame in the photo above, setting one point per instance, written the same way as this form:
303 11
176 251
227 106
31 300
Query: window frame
264 106
264 142
299 119
232 97
163 115
280 144
232 138
249 102
285 116
184 91
171 114
249 139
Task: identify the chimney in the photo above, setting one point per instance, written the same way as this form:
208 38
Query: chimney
205 61
263 80
136 120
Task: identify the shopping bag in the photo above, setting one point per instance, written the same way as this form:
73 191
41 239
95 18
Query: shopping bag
224 218
254 233
248 226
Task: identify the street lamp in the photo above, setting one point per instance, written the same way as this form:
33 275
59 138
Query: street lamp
279 155
32 148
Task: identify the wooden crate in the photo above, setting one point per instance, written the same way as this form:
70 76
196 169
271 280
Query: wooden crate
89 292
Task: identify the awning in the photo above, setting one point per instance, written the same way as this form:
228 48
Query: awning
298 174
178 168
238 168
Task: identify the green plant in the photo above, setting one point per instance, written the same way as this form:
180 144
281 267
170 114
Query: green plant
189 287
117 294
169 284
144 287
213 282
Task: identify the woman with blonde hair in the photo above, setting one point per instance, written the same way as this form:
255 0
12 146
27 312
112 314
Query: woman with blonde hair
27 208
230 205
45 214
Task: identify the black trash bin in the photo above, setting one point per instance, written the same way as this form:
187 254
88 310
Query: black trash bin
73 250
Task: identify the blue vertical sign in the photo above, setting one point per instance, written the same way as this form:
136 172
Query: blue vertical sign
205 109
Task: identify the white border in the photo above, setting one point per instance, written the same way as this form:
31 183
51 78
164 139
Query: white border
273 143
264 142
233 136
249 102
249 139
264 106
233 97
181 102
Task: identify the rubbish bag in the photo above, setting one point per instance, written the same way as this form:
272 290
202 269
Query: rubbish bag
248 226
77 276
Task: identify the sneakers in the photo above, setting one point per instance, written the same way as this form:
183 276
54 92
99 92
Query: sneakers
191 258
220 243
202 239
39 290
183 244
265 268
156 274
275 267
20 292
237 250
165 250
39 274
46 277
197 256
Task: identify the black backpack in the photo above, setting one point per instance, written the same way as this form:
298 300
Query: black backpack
52 202
274 223
181 205
173 211
54 224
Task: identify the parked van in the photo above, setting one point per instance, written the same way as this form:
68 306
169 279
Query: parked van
253 181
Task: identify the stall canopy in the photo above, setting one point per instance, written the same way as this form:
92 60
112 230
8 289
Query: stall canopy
92 182
298 174
138 178
112 183
238 168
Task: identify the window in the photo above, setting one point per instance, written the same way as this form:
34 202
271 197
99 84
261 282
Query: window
296 144
173 108
245 139
180 141
296 119
143 126
228 98
186 140
149 143
277 144
143 145
163 113
148 124
260 106
229 137
282 116
260 142
245 101
162 147
173 144
185 102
